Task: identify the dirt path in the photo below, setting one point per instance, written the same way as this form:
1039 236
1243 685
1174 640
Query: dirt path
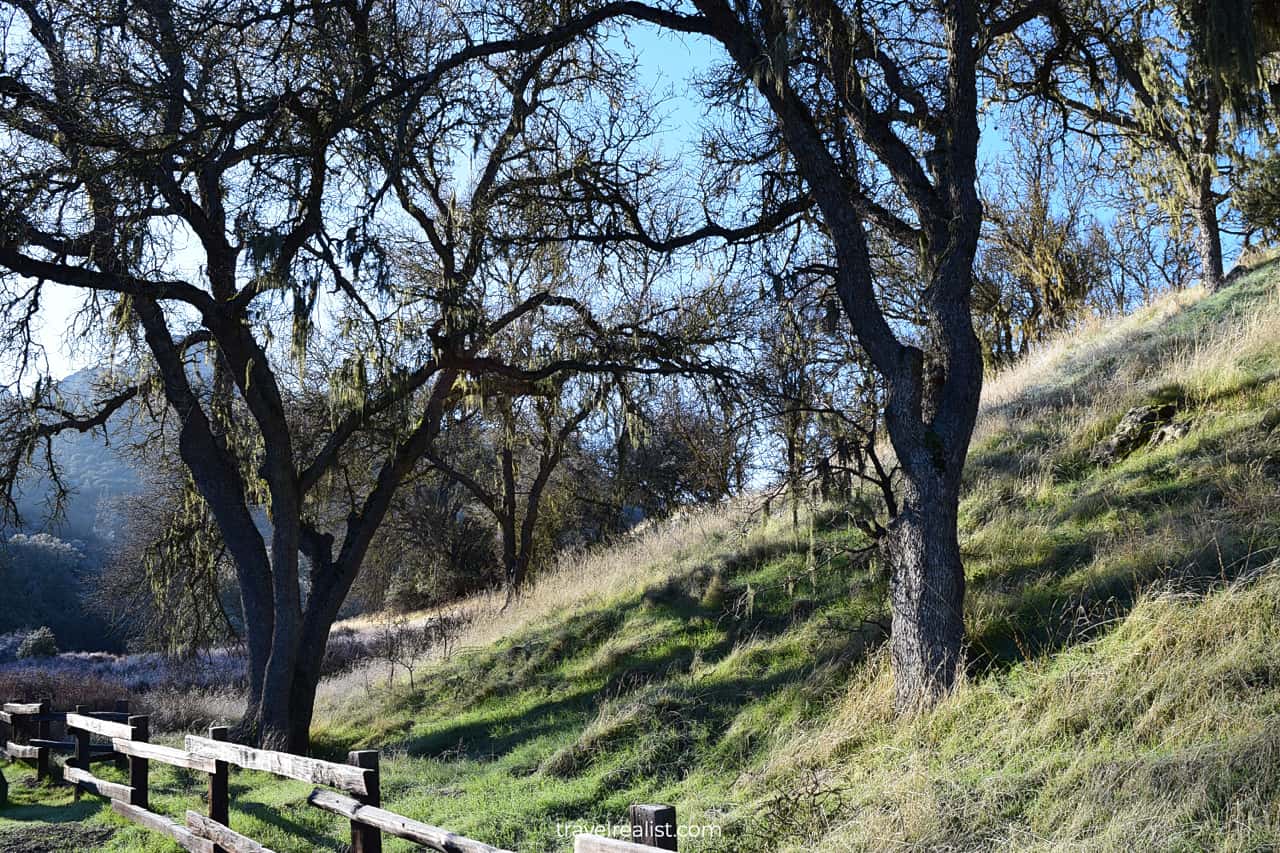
29 823
54 838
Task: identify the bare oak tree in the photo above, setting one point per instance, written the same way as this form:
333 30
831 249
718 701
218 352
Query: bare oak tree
876 105
227 184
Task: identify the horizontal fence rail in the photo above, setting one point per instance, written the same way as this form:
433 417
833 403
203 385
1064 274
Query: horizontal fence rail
432 837
222 835
186 839
357 798
355 780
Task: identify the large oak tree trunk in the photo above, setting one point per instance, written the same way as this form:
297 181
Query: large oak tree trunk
927 590
930 420
255 606
283 717
931 412
302 691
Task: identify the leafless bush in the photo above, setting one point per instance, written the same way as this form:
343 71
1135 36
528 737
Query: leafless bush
175 710
405 644
804 812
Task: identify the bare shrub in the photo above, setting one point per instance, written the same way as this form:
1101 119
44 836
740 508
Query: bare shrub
801 813
405 645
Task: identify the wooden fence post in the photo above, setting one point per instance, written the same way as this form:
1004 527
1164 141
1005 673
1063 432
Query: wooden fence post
81 757
42 726
219 795
122 762
42 753
654 826
139 772
4 790
367 839
16 728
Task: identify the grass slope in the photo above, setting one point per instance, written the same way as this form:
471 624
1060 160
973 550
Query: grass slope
1124 679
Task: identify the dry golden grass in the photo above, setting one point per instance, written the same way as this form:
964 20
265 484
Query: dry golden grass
577 580
1159 727
1092 339
1114 745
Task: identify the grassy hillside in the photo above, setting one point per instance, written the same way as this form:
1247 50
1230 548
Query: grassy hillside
1124 679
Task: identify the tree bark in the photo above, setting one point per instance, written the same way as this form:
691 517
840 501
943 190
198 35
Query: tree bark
275 714
217 479
1210 235
1206 200
926 591
302 692
510 545
293 688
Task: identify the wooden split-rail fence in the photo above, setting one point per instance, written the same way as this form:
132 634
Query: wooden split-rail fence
351 790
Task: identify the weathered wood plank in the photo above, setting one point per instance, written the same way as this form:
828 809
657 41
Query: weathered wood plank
366 838
222 835
86 781
219 781
162 824
586 843
104 728
22 751
352 779
164 754
122 709
6 718
140 768
22 708
67 745
429 836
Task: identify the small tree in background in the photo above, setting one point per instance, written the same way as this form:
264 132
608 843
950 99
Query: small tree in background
40 643
1123 74
1257 194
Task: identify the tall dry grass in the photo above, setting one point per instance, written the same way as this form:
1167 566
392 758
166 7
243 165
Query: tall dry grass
576 580
1158 730
1160 734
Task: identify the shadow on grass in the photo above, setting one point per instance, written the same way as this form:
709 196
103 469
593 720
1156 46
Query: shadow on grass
535 662
46 819
564 705
43 803
1046 617
68 812
273 816
1043 602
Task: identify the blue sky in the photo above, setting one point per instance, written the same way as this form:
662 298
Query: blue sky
668 63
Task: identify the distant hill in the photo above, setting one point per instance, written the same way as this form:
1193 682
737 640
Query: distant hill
97 468
50 564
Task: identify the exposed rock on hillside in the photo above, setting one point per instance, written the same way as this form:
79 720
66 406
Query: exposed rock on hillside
1139 426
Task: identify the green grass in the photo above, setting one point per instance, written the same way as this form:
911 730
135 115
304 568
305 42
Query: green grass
1122 688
